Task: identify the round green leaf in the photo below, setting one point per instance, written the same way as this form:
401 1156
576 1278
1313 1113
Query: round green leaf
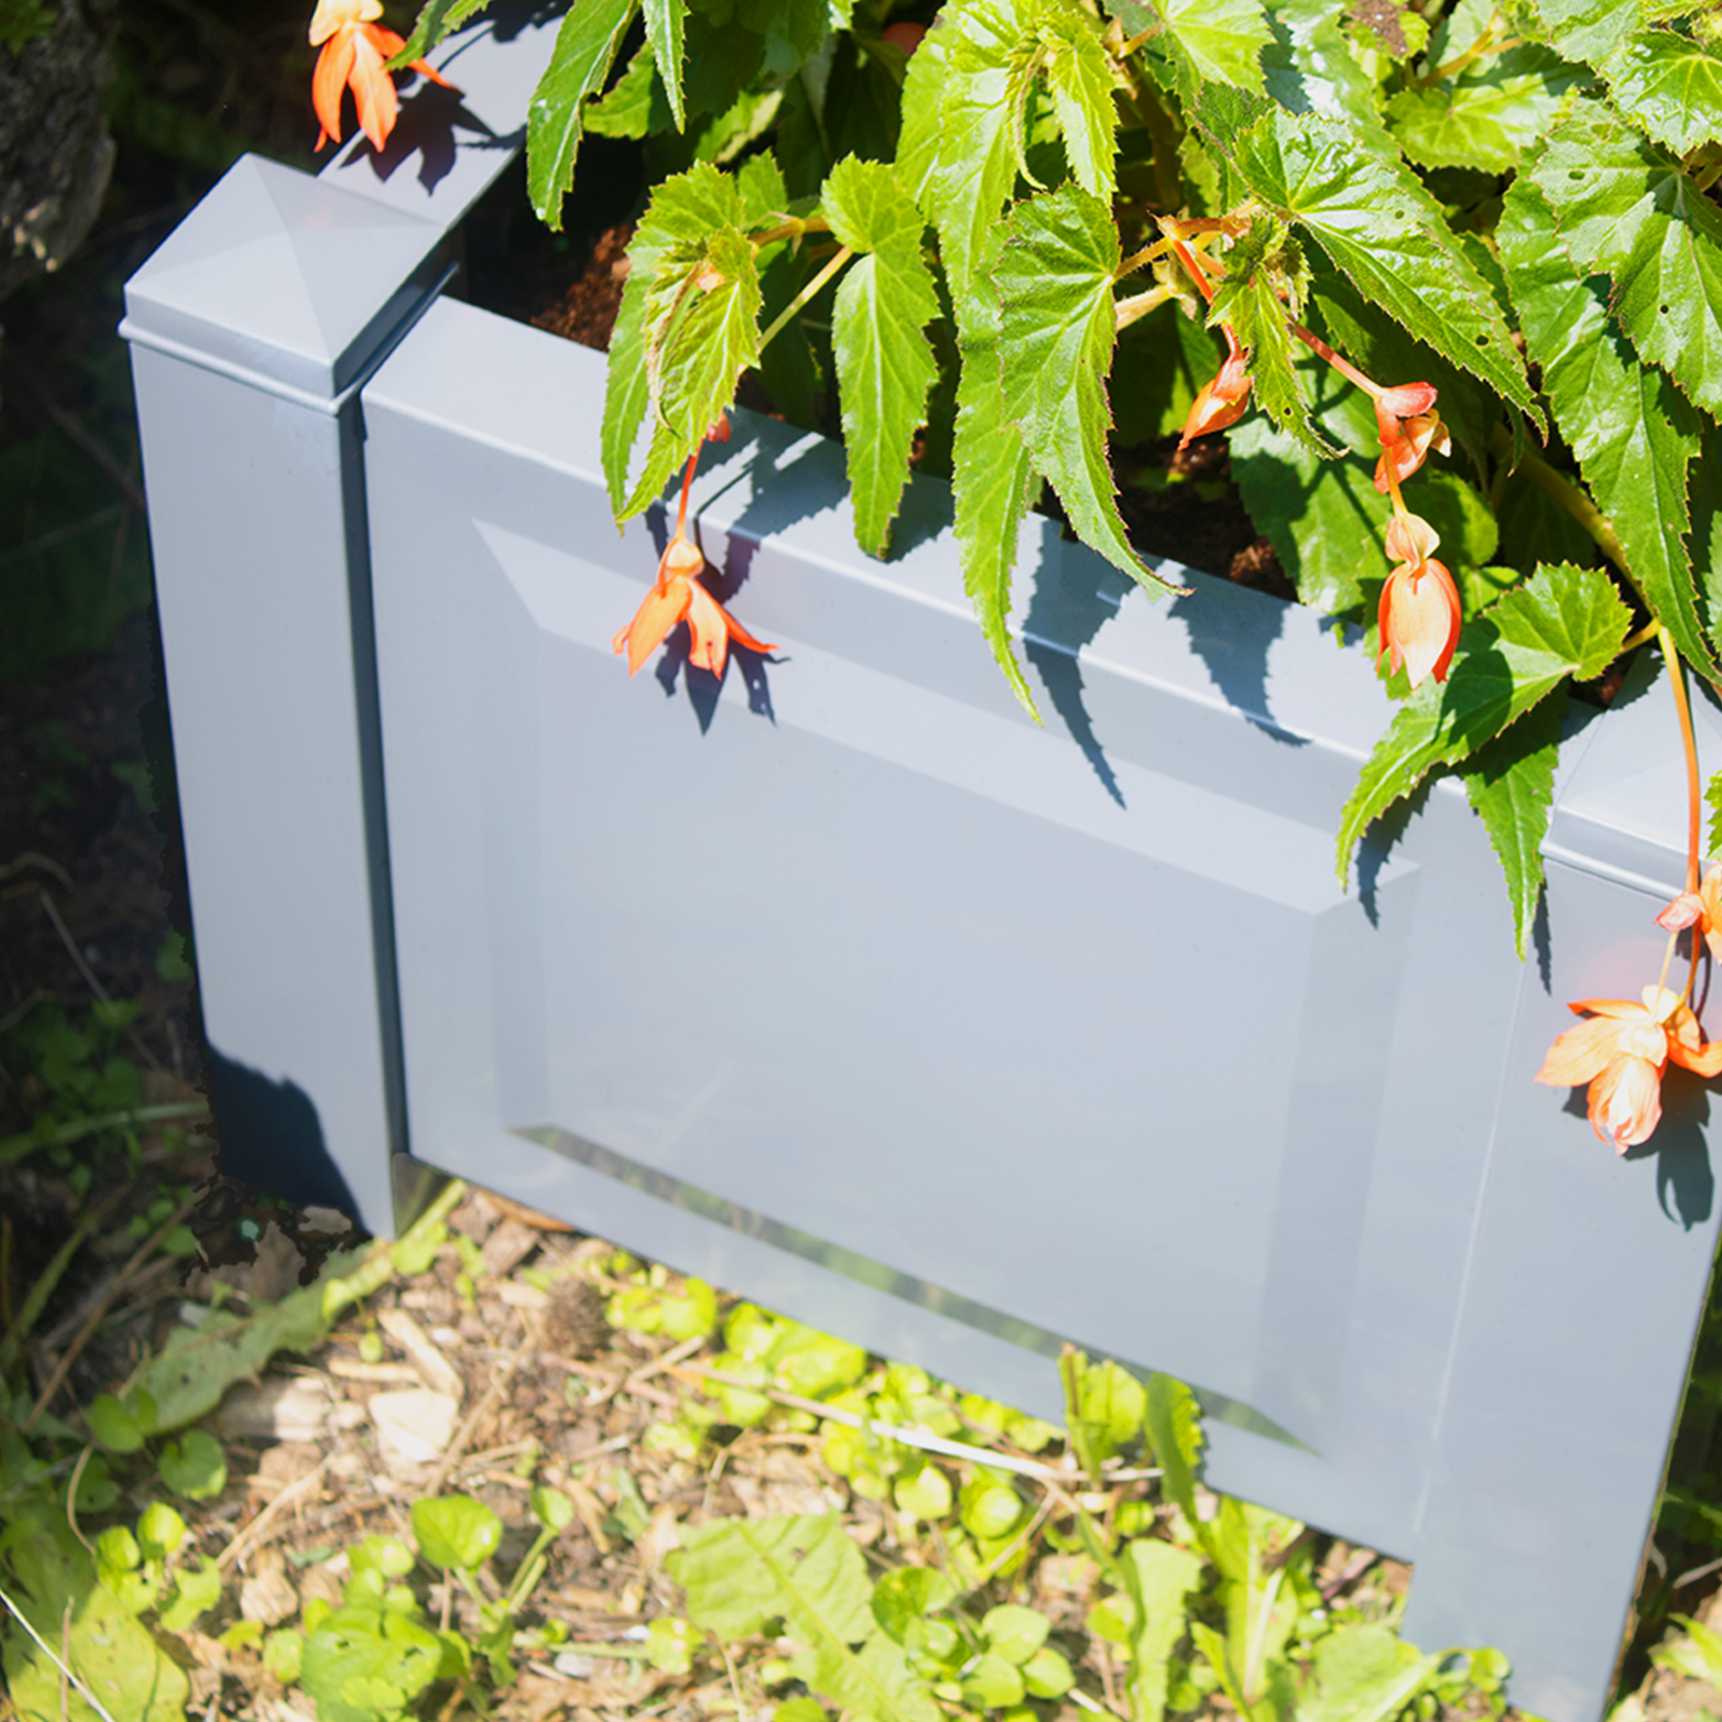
990 1510
114 1425
552 1509
160 1529
194 1466
1046 1674
903 1597
283 1653
1015 1633
926 1493
992 1683
456 1531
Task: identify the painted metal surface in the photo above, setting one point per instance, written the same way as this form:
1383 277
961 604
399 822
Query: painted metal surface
844 985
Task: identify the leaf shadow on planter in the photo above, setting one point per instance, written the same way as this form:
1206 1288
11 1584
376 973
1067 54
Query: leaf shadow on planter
272 1136
1233 634
435 127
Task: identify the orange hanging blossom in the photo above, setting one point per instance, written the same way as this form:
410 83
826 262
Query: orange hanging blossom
1700 910
1409 426
676 596
355 53
1222 399
1420 614
1622 1052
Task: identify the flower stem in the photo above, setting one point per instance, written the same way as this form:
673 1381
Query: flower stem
807 294
793 228
1138 305
1338 360
687 485
1694 797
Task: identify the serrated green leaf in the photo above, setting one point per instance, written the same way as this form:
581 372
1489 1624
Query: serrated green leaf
1488 118
1511 785
626 389
1246 300
437 19
885 363
666 30
1625 210
1588 29
1671 85
1713 798
1633 433
700 321
1562 622
992 484
586 47
1219 41
1310 68
1172 1422
1159 1578
1055 276
1081 79
1383 230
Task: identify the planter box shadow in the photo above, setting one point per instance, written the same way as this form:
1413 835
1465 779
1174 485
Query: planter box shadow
844 985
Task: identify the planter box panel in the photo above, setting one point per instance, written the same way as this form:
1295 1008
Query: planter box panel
844 948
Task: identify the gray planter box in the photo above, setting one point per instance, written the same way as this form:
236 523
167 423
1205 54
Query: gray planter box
845 986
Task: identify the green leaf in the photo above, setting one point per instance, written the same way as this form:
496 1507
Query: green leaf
1215 41
1014 1632
1713 798
1310 68
666 25
1698 1655
1486 119
700 321
1562 622
992 484
1671 85
1247 300
1056 332
1159 1578
1625 210
437 19
1382 229
740 1574
161 1530
1363 1673
906 1595
1081 79
363 1658
195 1466
586 47
456 1532
885 363
1588 29
1511 785
633 106
1634 435
195 1592
627 388
1172 1421
1048 1674
1103 1405
115 1424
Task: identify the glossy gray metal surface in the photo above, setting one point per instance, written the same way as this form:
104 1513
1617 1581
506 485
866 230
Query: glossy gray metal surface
846 986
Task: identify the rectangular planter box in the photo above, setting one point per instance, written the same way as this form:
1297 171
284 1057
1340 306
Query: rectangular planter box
844 985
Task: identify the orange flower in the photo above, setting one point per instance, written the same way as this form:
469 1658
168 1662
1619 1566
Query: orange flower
1222 400
677 595
1622 1052
355 49
1409 426
1700 909
1420 614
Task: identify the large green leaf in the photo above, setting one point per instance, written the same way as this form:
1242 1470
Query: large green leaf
1588 29
1562 622
666 29
885 363
1212 41
992 483
1633 433
625 384
1159 1578
1055 275
1363 1673
1310 68
1173 1426
1081 78
1381 228
741 1574
1511 783
1626 210
1487 118
1671 85
585 50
